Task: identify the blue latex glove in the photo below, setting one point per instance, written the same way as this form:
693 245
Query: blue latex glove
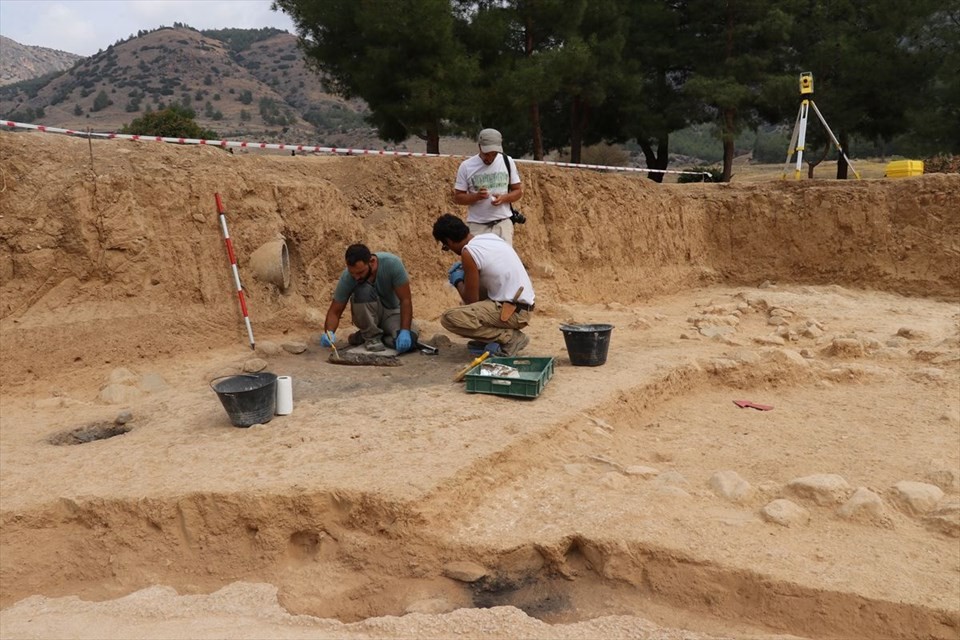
328 338
456 275
456 265
404 341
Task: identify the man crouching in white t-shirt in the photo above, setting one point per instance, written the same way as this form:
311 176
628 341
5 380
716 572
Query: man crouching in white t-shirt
488 183
491 265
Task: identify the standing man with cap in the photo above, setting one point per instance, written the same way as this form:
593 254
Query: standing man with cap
487 184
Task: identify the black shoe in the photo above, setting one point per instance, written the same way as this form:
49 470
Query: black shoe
356 339
375 344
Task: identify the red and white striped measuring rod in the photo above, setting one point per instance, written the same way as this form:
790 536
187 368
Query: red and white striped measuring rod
236 272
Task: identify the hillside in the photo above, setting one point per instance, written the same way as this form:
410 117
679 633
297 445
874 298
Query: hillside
254 87
22 62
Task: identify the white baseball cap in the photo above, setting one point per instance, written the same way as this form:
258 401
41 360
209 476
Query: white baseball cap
490 140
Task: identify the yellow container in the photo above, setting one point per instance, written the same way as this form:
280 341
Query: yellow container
904 169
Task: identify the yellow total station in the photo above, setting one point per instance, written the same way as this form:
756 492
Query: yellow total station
798 140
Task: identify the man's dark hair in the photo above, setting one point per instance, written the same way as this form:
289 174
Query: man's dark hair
358 253
449 227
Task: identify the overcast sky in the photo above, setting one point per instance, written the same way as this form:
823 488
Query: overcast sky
85 26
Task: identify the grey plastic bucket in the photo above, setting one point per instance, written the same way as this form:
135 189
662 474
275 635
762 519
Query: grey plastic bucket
249 398
587 344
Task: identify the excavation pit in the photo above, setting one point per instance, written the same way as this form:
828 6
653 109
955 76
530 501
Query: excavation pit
611 503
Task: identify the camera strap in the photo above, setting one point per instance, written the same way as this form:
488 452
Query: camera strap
508 162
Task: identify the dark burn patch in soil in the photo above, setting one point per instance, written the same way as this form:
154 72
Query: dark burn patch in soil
89 433
538 597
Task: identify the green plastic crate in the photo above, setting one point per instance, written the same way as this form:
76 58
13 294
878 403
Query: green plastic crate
534 374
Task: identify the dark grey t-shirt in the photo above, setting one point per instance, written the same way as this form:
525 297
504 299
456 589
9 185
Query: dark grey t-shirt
390 274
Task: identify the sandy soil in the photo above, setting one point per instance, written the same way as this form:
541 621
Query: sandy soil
631 500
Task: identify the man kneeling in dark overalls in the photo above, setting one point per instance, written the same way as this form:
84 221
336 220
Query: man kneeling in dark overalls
378 289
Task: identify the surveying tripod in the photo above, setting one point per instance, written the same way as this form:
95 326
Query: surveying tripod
799 138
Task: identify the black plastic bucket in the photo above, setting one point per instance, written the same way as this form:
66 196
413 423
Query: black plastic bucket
587 344
249 398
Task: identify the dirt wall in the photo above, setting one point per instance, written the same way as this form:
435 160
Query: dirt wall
112 250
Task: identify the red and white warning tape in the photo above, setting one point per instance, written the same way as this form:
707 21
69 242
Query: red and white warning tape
220 143
305 148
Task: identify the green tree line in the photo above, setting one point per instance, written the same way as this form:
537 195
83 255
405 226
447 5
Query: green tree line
563 74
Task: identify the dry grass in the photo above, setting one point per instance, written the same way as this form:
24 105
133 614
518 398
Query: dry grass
747 172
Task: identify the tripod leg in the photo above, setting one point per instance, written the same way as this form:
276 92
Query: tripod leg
792 148
833 138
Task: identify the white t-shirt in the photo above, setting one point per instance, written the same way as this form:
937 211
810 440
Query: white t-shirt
473 175
501 271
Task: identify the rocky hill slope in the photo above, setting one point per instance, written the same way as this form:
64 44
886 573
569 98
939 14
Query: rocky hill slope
22 62
249 84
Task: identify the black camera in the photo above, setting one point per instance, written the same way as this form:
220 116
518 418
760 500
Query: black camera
516 217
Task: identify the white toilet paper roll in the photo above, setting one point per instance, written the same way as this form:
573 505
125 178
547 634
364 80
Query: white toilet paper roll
284 395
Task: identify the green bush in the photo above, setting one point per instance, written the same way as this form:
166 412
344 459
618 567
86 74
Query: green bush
240 39
715 174
27 115
698 141
271 113
770 147
942 163
334 118
172 122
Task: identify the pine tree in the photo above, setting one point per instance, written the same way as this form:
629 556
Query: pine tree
400 56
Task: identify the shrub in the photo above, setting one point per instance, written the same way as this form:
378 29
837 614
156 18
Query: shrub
334 118
602 153
770 147
173 122
102 101
27 115
715 174
942 163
